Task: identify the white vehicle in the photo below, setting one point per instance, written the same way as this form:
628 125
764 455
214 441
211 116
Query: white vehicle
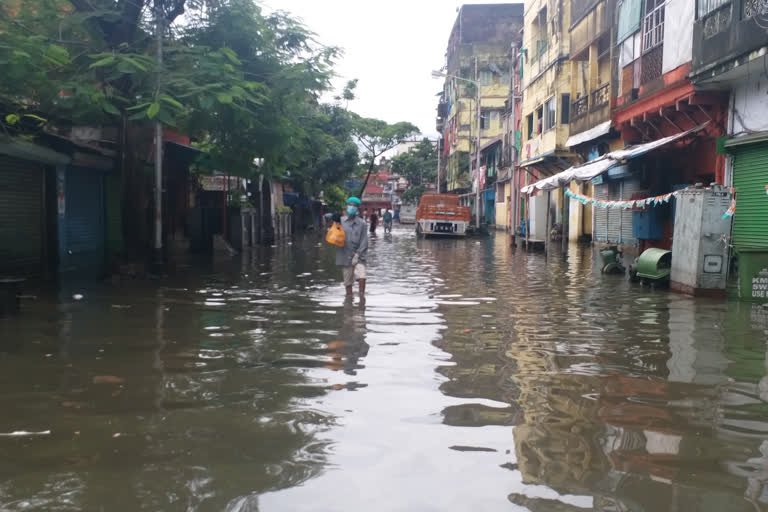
408 213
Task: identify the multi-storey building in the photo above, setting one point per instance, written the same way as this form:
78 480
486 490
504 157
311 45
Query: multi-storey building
730 57
546 110
668 125
478 52
593 84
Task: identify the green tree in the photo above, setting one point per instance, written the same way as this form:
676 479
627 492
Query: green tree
377 137
240 81
419 164
335 197
413 194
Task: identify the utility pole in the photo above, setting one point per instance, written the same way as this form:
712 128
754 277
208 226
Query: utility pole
438 164
158 248
477 149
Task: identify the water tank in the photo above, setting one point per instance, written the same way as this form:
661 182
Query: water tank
700 241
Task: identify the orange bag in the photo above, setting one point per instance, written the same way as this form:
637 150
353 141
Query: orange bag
336 235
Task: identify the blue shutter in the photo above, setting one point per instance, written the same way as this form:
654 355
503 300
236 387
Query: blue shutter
84 237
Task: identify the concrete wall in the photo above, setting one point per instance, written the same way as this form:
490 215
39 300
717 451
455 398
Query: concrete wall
547 77
554 83
750 105
502 208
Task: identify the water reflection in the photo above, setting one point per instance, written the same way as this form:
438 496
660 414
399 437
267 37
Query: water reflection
474 377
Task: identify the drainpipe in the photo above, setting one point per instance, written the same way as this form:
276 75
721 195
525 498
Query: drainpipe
477 150
438 163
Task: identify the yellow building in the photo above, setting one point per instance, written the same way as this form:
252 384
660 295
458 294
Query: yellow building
546 111
593 84
478 51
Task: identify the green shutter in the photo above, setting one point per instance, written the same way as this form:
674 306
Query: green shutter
629 19
750 177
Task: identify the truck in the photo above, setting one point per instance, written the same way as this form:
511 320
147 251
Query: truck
441 215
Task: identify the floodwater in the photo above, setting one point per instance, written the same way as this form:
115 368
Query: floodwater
474 378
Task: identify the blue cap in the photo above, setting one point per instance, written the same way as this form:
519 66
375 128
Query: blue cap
354 200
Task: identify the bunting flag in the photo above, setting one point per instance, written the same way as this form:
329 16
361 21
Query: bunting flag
641 203
732 208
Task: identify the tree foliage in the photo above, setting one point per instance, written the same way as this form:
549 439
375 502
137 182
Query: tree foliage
241 82
419 164
413 194
377 137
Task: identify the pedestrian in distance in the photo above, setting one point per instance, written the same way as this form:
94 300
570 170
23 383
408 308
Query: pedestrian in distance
374 220
352 257
387 221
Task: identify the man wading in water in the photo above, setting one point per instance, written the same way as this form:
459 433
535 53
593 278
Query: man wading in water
351 257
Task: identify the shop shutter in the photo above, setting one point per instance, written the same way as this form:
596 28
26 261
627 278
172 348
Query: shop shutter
21 217
750 177
84 223
630 188
601 214
614 215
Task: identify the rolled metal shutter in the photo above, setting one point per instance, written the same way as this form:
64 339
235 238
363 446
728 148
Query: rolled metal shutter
21 217
750 177
630 188
85 231
614 215
601 214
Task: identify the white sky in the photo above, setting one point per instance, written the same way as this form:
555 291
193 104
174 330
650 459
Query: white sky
391 47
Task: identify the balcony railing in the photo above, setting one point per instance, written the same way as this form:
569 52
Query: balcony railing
754 8
601 96
580 107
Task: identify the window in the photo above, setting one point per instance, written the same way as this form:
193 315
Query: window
565 109
707 6
653 24
539 31
485 120
485 77
550 108
530 126
539 119
494 117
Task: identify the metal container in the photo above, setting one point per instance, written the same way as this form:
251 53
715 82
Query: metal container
654 265
700 243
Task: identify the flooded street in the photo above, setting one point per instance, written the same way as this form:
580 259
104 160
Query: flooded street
473 378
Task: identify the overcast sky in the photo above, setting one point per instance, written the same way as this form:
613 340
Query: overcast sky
390 46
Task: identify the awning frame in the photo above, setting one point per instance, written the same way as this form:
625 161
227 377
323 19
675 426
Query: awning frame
590 170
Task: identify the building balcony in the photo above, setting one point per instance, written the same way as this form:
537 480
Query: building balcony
724 31
589 111
589 26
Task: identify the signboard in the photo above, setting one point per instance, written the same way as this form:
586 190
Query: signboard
217 183
760 285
